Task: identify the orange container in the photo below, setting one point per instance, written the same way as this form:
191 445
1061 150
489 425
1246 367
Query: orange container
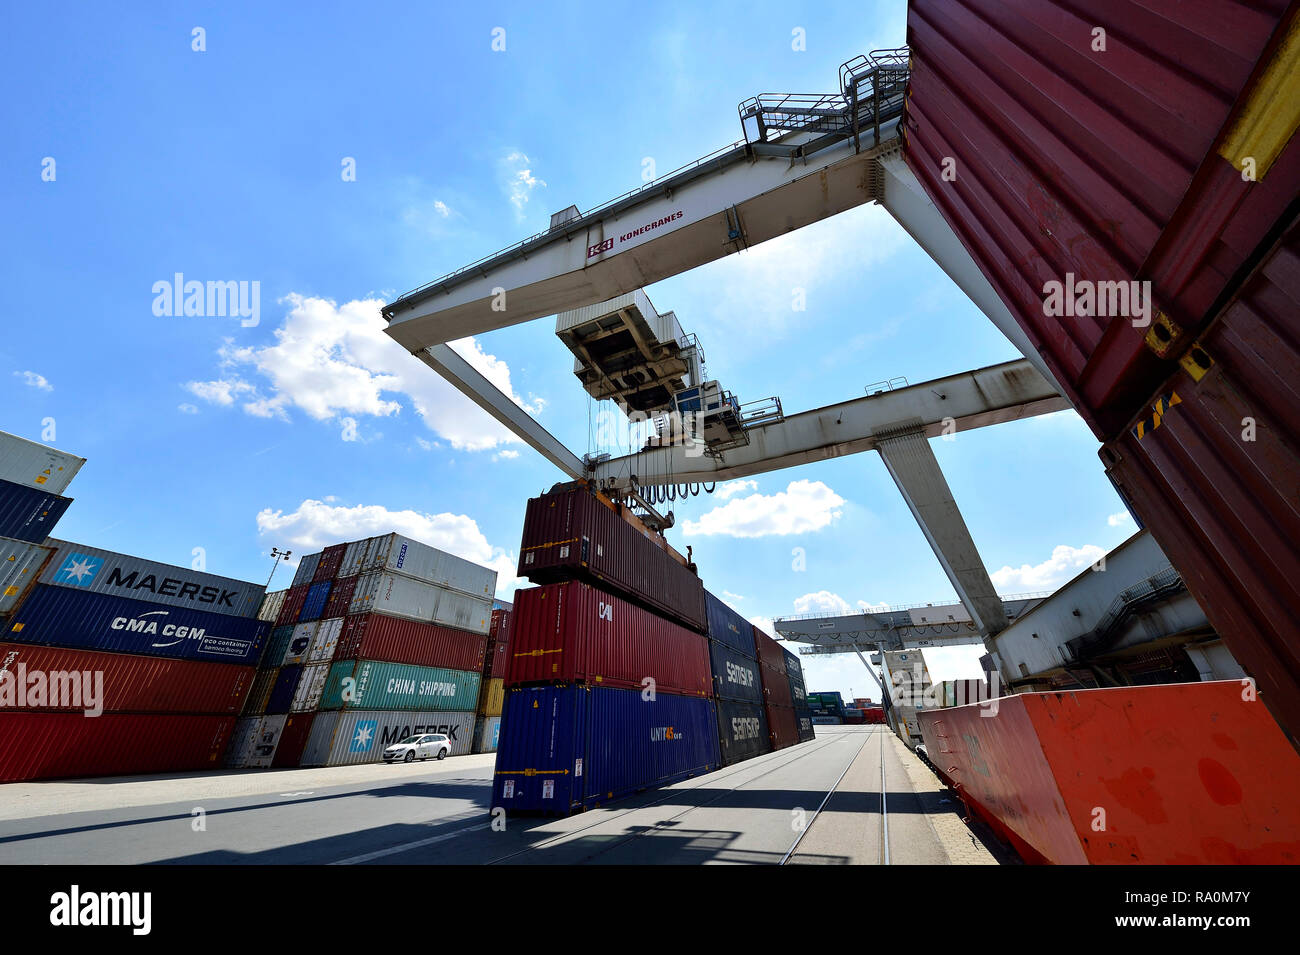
1190 773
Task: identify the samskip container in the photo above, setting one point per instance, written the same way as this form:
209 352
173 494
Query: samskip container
60 616
20 566
311 684
98 571
729 627
377 636
27 513
271 604
402 555
735 676
805 725
293 740
360 736
742 731
567 747
292 605
574 632
398 596
487 733
340 598
782 726
328 566
306 570
60 745
36 465
286 683
313 605
572 532
398 686
300 643
491 697
87 680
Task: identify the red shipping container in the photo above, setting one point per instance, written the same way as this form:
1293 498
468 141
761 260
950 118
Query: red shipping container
573 632
572 532
328 567
137 684
498 645
60 745
769 651
776 686
292 606
377 636
340 598
782 725
293 740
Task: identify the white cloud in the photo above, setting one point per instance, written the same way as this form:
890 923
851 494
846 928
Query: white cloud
441 208
331 361
33 380
764 624
804 506
730 596
823 601
726 490
317 524
1115 520
1065 563
506 455
187 408
520 181
872 608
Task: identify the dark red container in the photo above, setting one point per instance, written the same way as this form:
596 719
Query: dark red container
574 632
769 652
782 725
293 740
1223 507
292 606
571 532
328 567
340 598
498 645
377 636
776 686
61 745
138 684
1051 159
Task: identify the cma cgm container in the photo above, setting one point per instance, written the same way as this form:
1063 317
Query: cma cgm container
28 513
564 748
735 676
98 571
306 570
271 604
730 628
121 683
313 605
377 636
21 563
292 605
401 555
360 736
340 597
61 745
286 683
398 686
328 566
573 632
62 617
399 596
573 532
782 725
487 734
293 740
742 731
36 465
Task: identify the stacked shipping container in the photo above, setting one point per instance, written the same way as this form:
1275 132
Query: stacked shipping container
743 731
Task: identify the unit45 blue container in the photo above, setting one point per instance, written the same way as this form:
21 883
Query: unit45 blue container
314 605
728 627
567 748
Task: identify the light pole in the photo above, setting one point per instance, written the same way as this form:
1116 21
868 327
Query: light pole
277 555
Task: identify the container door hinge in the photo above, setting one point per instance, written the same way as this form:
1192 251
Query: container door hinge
1163 334
1197 361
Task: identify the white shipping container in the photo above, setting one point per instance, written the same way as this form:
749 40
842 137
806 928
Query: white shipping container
487 733
271 605
319 740
20 566
267 738
402 555
353 555
306 569
327 638
360 736
310 686
300 643
241 742
36 465
401 596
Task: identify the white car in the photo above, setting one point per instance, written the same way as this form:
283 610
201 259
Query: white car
424 746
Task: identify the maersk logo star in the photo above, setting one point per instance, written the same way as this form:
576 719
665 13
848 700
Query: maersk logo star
365 735
79 571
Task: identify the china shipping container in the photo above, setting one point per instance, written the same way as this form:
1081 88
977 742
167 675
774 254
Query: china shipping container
29 514
776 687
62 745
782 725
1114 167
377 636
36 465
735 676
326 641
402 555
271 604
360 736
487 733
292 605
130 684
63 617
729 627
564 748
21 563
399 686
311 684
1215 479
805 722
572 532
286 684
98 571
742 731
340 598
293 740
328 566
491 697
299 643
313 605
265 742
353 555
574 632
263 684
306 570
277 644
398 596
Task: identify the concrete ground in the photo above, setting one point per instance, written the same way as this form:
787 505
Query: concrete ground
429 813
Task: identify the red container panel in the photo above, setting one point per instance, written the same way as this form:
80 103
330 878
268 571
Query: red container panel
572 532
293 601
340 598
776 686
782 725
769 651
330 559
62 745
1103 166
573 632
293 740
377 636
134 684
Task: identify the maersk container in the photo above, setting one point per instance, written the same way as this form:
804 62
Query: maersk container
353 557
293 740
325 641
63 617
328 566
286 684
61 745
340 598
398 686
300 643
99 571
20 566
565 748
262 749
782 725
574 632
487 734
313 605
276 646
377 636
36 465
573 532
729 627
271 604
292 605
402 555
491 697
27 513
311 684
120 682
263 684
399 596
735 676
742 731
306 570
360 736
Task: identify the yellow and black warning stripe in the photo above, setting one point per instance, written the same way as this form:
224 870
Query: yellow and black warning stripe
1158 411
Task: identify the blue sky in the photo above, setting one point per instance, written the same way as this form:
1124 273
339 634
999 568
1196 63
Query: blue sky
310 426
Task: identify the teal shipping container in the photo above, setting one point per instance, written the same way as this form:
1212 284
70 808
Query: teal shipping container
398 686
